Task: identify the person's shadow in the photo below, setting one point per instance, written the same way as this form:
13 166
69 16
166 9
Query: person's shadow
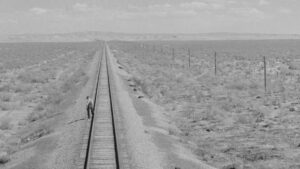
76 121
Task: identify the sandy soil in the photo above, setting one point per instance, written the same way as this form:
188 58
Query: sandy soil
144 154
149 143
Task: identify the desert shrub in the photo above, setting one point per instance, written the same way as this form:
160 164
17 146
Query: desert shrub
244 119
278 86
253 86
137 81
67 86
204 153
4 106
236 86
53 98
4 158
41 131
4 88
254 154
22 88
142 85
47 107
146 89
5 124
43 114
39 108
22 123
33 77
211 114
294 65
36 115
294 166
227 106
78 76
5 97
172 131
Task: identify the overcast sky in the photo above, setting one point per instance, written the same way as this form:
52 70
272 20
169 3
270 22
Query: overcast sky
150 16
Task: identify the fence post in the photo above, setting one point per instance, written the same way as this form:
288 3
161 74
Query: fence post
265 73
189 57
173 58
215 63
173 54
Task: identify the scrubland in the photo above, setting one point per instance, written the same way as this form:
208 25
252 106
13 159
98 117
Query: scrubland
38 82
227 119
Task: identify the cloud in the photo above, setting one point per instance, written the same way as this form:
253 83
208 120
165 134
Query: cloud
38 11
194 5
211 5
285 11
159 6
185 13
263 2
217 6
158 11
9 21
150 14
167 10
249 13
80 7
231 2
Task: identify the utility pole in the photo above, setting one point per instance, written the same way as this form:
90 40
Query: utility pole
265 73
189 57
173 54
215 63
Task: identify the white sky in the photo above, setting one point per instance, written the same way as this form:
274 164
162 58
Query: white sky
150 16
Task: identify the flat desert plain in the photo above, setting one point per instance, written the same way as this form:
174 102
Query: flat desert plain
214 92
39 81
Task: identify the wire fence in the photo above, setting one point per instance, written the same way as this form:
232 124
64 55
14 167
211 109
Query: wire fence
278 72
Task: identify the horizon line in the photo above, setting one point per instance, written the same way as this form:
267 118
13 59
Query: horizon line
148 33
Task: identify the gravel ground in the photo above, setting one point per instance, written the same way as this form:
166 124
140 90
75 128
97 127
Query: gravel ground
144 154
147 130
70 135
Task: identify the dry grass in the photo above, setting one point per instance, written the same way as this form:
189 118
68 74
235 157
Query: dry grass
5 124
5 106
4 88
142 86
22 88
5 97
44 78
71 83
33 77
228 108
42 130
34 116
46 108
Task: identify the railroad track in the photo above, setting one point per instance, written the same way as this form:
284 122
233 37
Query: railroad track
99 146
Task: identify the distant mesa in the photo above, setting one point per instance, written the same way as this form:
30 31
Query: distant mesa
91 36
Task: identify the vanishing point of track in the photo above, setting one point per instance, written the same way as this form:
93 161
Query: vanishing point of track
100 148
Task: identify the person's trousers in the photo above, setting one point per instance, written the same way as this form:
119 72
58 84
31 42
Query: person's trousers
90 111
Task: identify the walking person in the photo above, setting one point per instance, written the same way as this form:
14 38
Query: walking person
89 107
